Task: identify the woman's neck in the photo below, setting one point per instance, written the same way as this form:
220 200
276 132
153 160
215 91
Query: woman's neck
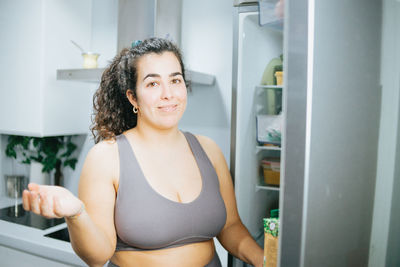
157 137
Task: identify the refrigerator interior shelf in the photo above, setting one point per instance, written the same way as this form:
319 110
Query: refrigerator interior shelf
266 187
94 75
261 148
270 86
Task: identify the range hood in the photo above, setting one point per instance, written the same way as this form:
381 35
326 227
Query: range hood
138 20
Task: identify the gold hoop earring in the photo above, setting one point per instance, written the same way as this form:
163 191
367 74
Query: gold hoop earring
135 110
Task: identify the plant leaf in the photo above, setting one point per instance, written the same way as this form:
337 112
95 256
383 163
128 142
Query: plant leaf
71 163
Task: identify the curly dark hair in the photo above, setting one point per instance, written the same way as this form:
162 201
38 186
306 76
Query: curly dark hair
112 109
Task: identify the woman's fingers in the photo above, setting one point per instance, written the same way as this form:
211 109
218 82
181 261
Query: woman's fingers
25 200
34 202
30 198
45 206
33 187
50 201
57 208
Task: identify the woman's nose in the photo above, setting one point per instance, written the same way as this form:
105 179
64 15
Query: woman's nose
166 91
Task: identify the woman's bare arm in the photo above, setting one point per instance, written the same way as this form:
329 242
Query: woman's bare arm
234 236
92 233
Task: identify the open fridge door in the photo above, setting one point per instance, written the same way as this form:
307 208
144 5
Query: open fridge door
256 48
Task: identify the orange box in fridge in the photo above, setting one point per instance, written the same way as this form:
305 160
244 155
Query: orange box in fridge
271 171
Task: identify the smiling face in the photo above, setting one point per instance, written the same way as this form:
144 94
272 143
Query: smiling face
160 91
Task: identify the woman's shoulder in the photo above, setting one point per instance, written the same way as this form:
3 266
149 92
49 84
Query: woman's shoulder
102 159
206 142
104 147
104 151
215 155
211 148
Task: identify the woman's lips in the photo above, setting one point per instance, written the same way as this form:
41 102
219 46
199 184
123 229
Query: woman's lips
168 108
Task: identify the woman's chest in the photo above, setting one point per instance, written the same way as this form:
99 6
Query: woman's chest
176 177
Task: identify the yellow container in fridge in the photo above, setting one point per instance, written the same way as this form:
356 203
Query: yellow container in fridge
279 77
271 177
271 171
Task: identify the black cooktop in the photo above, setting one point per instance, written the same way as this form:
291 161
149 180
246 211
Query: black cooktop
17 214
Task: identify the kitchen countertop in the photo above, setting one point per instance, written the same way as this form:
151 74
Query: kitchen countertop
32 240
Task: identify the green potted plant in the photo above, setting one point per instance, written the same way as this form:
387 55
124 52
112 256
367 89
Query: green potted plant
53 152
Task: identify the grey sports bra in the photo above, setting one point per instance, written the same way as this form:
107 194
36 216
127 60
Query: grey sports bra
145 220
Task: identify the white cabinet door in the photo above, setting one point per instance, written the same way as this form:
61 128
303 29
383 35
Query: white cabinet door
12 257
35 43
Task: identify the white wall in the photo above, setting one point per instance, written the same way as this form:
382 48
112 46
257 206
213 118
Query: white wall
104 30
206 43
207 47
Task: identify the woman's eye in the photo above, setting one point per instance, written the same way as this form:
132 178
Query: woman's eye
152 84
176 81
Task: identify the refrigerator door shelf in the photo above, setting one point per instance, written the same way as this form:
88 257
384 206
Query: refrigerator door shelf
271 14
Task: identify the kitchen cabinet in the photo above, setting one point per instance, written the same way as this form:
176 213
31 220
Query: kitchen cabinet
13 257
35 43
27 242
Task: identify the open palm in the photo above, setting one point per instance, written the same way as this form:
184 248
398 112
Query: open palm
50 201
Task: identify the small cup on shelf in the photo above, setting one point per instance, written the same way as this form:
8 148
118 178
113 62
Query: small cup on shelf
90 60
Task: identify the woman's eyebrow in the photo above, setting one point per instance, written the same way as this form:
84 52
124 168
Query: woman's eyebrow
175 73
151 75
158 75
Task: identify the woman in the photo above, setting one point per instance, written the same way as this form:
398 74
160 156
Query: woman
149 194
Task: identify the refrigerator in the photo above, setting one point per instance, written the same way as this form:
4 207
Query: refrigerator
254 46
330 123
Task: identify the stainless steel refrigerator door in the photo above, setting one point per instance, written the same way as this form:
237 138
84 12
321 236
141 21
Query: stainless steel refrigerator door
332 121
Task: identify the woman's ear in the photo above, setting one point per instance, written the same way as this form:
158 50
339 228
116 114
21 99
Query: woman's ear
131 97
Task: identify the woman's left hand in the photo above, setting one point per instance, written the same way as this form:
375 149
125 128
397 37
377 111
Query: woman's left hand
50 201
259 263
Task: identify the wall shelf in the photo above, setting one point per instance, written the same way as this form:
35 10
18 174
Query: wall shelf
80 75
94 75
